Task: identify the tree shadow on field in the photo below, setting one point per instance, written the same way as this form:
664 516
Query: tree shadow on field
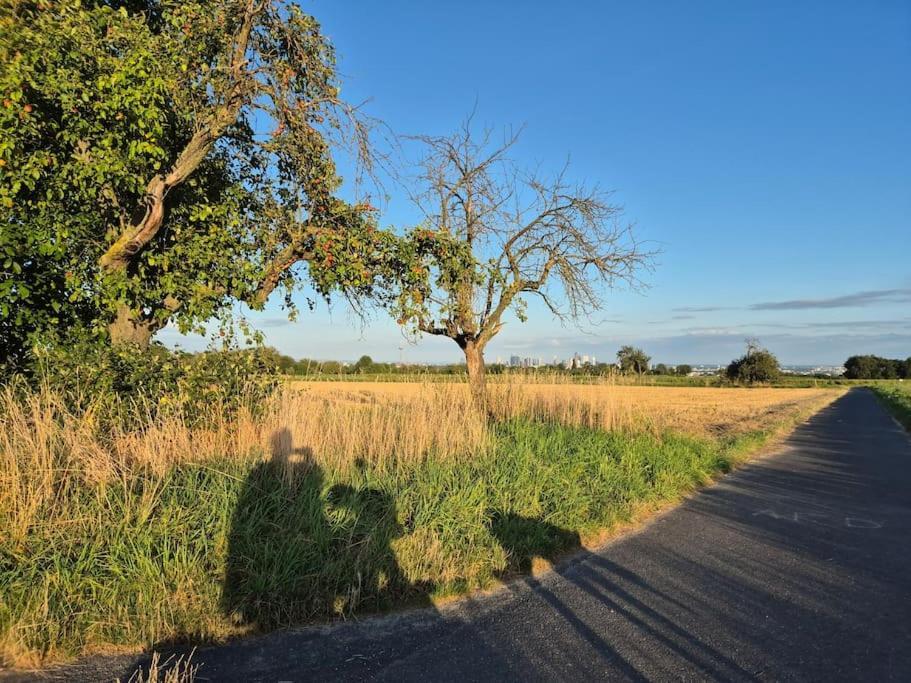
298 552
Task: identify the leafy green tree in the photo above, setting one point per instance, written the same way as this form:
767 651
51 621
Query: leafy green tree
875 367
161 159
660 369
862 367
633 360
363 365
757 365
683 369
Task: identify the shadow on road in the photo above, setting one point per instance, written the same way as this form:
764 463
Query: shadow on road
526 539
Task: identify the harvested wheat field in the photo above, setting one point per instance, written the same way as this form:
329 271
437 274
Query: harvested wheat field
699 411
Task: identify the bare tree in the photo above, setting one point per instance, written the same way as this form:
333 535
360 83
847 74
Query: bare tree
753 345
524 234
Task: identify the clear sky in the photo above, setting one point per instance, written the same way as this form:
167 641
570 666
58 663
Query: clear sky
764 147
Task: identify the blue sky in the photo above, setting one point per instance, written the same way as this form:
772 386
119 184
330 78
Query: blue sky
764 147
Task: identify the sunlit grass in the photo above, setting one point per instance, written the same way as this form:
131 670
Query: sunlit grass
323 506
897 398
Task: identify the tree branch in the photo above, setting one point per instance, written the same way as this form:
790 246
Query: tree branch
291 254
137 235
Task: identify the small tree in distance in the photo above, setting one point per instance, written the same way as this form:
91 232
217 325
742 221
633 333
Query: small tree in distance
757 365
633 360
363 365
683 370
518 234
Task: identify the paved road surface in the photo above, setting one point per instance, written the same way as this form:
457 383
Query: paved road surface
796 567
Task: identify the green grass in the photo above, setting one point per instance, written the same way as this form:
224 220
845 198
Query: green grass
896 396
205 551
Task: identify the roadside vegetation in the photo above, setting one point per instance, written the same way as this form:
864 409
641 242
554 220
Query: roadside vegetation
897 398
150 518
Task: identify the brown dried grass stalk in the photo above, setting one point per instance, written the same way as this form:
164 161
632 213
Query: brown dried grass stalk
45 447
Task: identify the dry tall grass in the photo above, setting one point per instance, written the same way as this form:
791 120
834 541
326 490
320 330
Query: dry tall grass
110 542
44 446
603 405
171 670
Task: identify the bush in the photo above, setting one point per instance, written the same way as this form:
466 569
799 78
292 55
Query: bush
755 366
161 380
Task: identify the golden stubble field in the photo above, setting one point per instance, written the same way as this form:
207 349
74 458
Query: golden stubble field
698 411
387 424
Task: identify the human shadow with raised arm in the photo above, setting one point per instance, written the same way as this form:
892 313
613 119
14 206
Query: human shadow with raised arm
301 549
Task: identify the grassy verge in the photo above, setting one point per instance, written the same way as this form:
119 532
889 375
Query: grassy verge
201 550
897 398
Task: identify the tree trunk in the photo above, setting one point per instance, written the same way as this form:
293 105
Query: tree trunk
474 360
126 329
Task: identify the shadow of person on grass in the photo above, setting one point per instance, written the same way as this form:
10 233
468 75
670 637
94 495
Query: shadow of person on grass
279 536
297 552
368 521
526 538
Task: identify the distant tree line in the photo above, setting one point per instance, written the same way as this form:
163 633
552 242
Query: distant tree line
630 361
365 365
756 366
874 367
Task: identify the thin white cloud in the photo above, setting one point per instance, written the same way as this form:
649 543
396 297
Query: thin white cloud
866 298
854 300
700 309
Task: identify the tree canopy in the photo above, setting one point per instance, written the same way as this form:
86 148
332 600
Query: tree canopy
633 360
494 235
757 365
875 367
162 159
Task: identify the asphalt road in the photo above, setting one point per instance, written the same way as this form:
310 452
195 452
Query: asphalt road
796 567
